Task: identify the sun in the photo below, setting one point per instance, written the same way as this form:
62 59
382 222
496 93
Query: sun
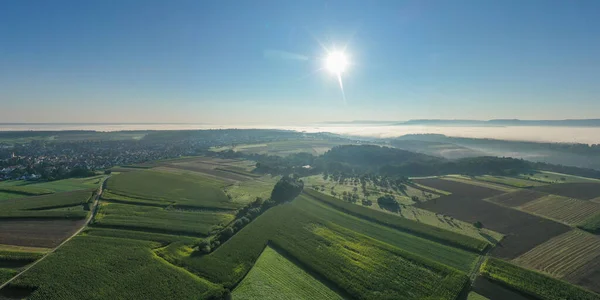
336 62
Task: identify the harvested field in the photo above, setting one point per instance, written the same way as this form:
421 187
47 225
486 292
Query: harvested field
37 233
563 256
517 198
495 291
523 231
580 190
588 276
567 210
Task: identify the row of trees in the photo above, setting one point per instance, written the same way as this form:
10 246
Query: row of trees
285 190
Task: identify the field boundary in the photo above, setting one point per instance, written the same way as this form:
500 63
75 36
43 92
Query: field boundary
87 221
424 235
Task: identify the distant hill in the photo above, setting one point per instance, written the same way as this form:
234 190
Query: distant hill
578 155
505 122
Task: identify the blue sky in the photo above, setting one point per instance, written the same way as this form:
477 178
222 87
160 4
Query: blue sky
233 62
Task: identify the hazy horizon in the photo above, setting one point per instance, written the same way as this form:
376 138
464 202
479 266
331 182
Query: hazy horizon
556 134
263 62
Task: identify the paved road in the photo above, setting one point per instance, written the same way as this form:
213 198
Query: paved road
87 221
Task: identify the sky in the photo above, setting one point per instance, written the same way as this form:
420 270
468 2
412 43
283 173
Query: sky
233 62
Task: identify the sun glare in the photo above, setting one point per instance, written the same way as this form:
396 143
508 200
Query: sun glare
336 62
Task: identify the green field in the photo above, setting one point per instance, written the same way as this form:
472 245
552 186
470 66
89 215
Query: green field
51 201
57 186
336 189
552 177
25 190
275 277
6 274
282 148
163 239
67 205
182 190
475 296
403 224
456 258
160 220
246 191
92 267
533 283
378 265
449 223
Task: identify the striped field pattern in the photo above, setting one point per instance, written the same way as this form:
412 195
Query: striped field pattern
567 210
564 255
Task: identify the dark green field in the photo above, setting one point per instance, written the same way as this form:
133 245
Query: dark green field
357 264
47 206
182 190
156 219
90 267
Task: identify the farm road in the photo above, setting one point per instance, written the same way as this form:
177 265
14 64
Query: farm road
87 221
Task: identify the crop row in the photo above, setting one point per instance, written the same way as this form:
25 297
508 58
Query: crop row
20 255
6 274
563 255
533 283
92 267
273 272
14 259
47 201
163 239
183 190
361 266
403 224
43 214
568 210
160 220
454 257
26 190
